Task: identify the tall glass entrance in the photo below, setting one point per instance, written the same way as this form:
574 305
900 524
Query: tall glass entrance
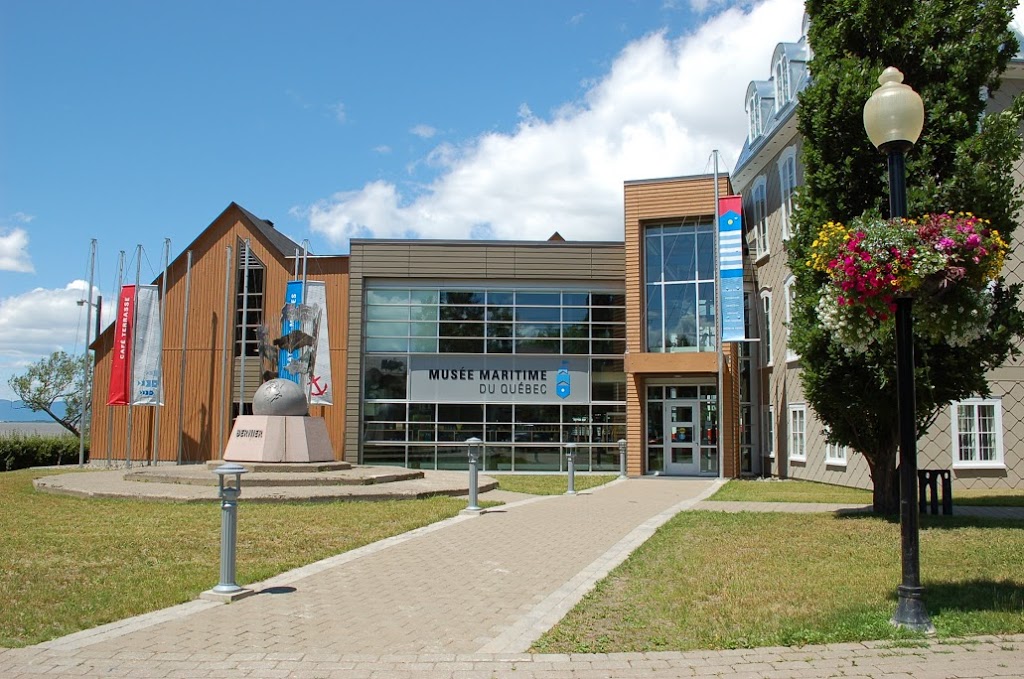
682 430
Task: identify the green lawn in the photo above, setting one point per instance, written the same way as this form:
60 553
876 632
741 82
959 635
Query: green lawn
68 564
549 484
718 580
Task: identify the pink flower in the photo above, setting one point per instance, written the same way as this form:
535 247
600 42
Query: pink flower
945 244
973 240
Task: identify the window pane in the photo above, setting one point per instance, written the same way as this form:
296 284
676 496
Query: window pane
652 257
538 314
379 296
423 344
499 297
680 263
681 316
603 299
499 313
384 377
461 297
705 254
462 313
576 315
423 296
387 344
460 345
423 313
538 298
654 331
575 298
387 329
387 313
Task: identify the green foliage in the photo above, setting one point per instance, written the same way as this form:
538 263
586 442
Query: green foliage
948 51
18 451
57 377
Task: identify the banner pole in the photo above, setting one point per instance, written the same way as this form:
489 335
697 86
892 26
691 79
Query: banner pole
160 384
184 353
131 357
110 413
224 398
87 368
719 326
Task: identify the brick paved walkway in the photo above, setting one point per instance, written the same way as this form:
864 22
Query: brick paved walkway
461 599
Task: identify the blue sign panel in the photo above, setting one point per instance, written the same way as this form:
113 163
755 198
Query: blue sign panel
730 259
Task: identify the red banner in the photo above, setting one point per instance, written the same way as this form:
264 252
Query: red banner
120 375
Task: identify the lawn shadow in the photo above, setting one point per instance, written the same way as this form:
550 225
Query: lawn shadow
973 595
933 522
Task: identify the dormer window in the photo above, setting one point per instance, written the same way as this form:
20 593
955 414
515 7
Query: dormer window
781 76
754 122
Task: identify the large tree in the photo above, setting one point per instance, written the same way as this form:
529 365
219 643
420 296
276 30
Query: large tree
952 53
57 377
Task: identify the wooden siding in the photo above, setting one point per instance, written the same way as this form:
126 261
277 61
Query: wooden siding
543 263
205 420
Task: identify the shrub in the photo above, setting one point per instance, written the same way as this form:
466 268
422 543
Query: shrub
18 451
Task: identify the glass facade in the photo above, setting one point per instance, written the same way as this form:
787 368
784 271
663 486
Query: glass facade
679 270
524 370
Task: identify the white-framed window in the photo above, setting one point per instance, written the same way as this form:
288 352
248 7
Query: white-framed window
759 218
781 77
798 432
769 432
836 454
977 432
790 289
754 122
787 185
766 337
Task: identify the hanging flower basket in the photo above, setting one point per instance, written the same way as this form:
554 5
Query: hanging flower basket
945 261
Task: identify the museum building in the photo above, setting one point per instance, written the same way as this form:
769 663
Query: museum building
528 346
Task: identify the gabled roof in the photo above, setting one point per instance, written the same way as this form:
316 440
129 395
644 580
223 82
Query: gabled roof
285 245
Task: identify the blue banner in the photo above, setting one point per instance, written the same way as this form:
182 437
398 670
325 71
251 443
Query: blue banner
293 295
730 261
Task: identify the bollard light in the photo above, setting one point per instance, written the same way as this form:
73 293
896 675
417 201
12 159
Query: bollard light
473 446
229 482
893 119
622 458
570 458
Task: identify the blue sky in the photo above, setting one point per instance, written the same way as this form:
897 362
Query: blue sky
131 122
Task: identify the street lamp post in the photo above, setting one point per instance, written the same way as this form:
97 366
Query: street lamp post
893 119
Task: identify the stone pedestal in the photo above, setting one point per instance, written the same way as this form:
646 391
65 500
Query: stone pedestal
279 438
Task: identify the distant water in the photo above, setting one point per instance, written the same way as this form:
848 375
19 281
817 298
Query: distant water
27 428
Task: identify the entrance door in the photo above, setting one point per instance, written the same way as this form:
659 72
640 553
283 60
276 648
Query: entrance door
681 447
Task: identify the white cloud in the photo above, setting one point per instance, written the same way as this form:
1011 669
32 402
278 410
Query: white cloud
338 111
424 131
660 111
383 149
37 323
14 251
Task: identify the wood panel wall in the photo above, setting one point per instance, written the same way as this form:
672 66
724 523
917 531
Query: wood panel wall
203 417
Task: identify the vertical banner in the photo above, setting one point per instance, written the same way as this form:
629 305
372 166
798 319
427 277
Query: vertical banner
730 261
320 391
292 295
121 355
147 362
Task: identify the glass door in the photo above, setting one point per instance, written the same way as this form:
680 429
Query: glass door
681 442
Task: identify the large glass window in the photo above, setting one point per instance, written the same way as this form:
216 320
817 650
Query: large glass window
680 275
249 284
586 325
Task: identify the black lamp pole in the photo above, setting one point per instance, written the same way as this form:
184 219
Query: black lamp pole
893 118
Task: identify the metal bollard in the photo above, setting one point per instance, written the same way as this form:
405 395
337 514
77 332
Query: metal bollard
570 452
228 525
622 458
473 444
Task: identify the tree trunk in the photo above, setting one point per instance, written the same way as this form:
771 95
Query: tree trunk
885 497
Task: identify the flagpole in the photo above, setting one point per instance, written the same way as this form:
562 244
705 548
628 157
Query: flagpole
131 356
87 367
719 350
184 351
224 400
160 383
110 413
308 387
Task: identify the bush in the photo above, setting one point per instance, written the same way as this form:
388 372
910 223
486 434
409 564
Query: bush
18 451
